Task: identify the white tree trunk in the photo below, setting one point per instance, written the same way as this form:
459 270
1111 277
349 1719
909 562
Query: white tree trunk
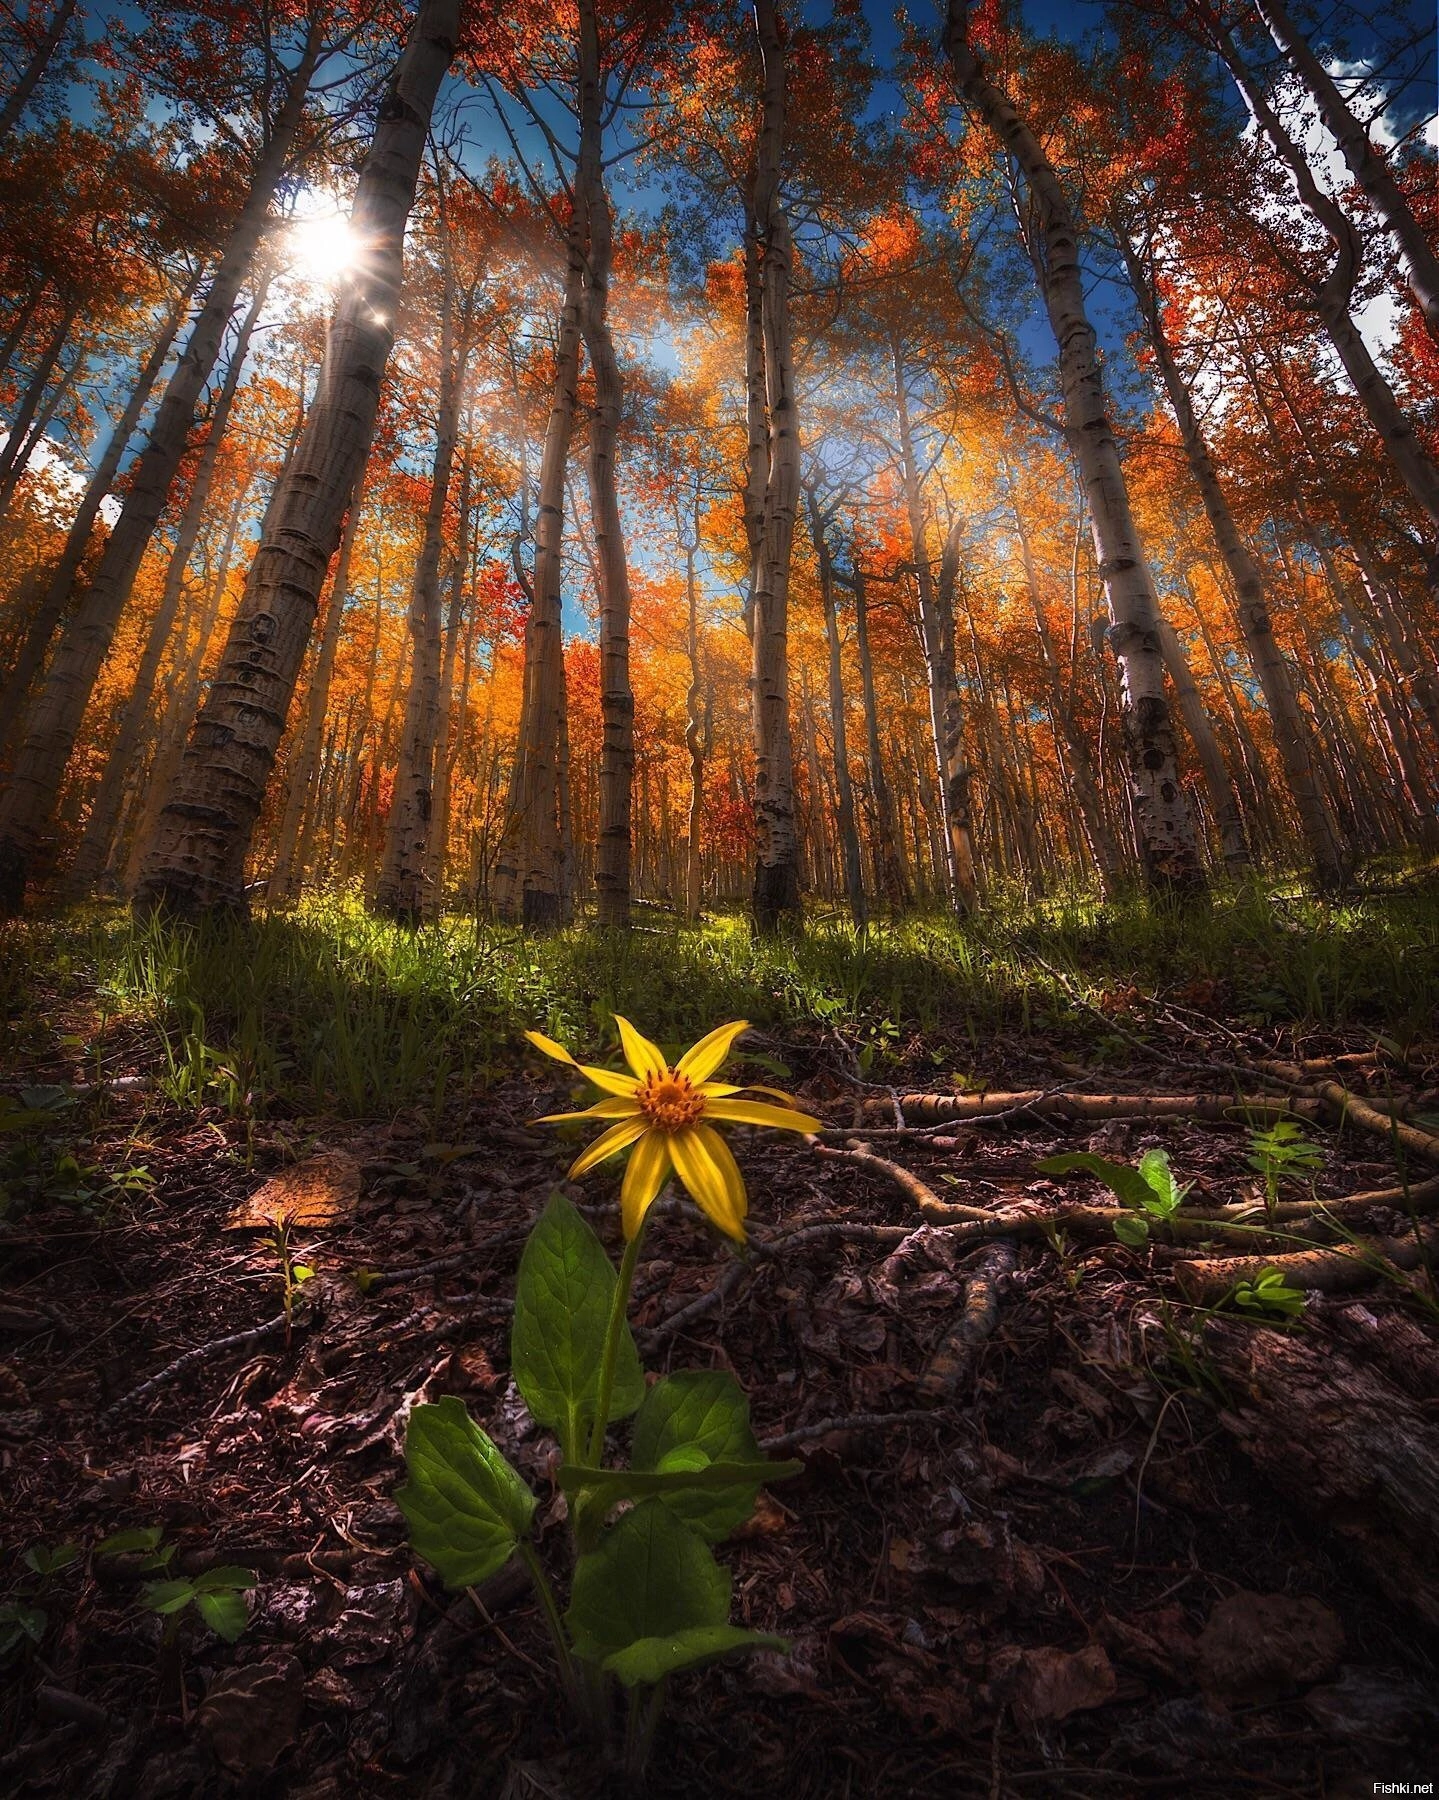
775 898
59 708
197 860
1368 167
1164 829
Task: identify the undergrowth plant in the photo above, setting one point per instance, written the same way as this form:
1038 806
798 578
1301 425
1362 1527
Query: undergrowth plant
1150 1191
1281 1152
647 1596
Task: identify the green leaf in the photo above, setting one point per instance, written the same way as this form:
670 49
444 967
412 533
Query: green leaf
19 1622
135 1537
225 1613
1134 1232
650 1659
1127 1185
563 1297
651 1577
228 1577
167 1596
466 1506
1165 1193
45 1561
699 1413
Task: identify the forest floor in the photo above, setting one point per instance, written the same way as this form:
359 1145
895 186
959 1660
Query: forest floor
1099 1540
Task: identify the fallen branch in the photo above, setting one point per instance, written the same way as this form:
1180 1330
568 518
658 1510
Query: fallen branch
1342 1443
1039 1103
978 1315
1349 1106
1337 1270
915 1415
923 1196
192 1359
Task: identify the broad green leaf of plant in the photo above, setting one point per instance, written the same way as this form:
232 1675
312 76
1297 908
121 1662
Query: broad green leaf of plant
224 1612
1127 1185
1133 1230
20 1624
467 1508
1166 1194
687 1422
563 1299
1270 1293
651 1577
134 1537
45 1559
651 1659
167 1596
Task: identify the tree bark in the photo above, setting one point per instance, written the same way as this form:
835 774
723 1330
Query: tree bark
18 445
197 861
699 736
775 898
1368 167
1227 816
1332 298
844 785
1291 736
59 709
61 580
892 879
617 702
93 852
292 844
30 76
529 872
1081 757
1164 828
401 891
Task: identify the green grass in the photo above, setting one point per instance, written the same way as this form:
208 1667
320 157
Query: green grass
328 1010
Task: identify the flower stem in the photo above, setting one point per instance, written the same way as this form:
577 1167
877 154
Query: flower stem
612 1343
553 1624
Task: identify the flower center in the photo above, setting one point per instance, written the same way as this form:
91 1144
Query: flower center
670 1101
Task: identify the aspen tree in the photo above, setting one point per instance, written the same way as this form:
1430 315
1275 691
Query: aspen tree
1164 828
197 859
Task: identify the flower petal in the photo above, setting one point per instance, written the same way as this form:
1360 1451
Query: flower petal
702 1059
645 1175
605 1079
643 1057
615 1106
756 1112
606 1144
703 1163
609 1081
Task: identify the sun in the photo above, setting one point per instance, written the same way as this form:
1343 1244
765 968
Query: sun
320 246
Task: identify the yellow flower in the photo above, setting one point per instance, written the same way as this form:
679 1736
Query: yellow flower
668 1115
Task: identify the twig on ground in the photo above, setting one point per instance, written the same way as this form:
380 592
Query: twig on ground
192 1359
923 1196
1333 1270
1349 1106
977 1318
1066 1104
914 1415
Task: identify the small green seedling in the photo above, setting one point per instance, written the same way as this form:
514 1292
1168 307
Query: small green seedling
1281 1152
217 1596
1150 1191
1269 1295
293 1275
22 1619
